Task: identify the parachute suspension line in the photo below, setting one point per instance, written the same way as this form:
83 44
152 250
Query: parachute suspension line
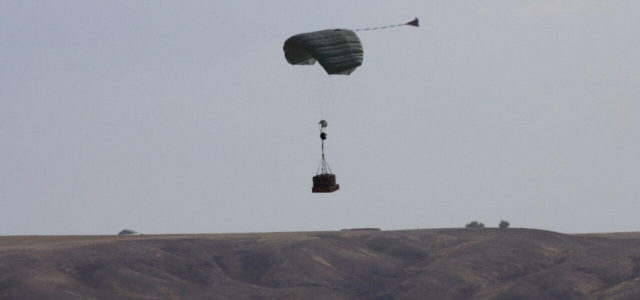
415 22
377 28
337 103
324 166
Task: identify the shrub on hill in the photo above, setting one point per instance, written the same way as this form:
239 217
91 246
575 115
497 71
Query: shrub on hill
504 224
474 224
128 232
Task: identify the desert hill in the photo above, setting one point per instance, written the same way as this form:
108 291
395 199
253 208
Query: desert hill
408 264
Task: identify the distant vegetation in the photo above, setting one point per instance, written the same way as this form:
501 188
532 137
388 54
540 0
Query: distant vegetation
474 224
361 229
128 232
504 224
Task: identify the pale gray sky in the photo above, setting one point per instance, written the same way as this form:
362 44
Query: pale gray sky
172 117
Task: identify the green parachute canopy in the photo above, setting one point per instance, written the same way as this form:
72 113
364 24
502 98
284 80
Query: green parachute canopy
338 51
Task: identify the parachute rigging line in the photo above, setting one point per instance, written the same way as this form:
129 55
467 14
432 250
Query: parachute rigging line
415 22
324 166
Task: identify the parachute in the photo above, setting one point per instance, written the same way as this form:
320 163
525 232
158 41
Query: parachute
338 51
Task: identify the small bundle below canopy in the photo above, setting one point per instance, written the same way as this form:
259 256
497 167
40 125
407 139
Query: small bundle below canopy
325 183
325 180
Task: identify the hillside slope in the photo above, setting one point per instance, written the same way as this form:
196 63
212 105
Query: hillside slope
411 264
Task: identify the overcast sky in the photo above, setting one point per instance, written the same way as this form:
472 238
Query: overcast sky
184 116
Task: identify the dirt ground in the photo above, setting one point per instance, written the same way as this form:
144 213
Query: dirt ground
408 264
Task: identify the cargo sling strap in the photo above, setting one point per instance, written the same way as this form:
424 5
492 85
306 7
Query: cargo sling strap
324 166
